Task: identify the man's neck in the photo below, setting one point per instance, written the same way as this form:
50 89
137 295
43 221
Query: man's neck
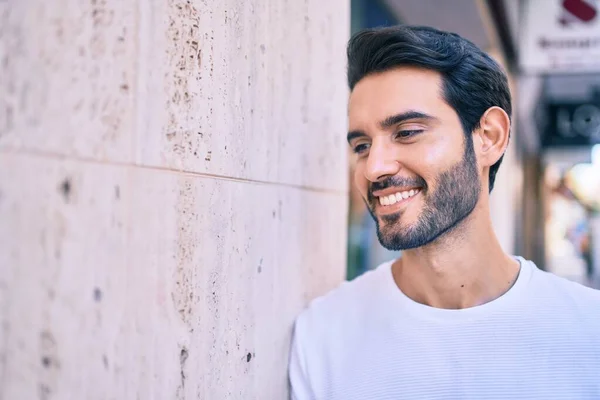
464 268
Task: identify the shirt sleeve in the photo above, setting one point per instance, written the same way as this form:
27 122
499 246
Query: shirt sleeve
300 388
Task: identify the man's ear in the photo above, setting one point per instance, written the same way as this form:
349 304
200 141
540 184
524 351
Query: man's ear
493 133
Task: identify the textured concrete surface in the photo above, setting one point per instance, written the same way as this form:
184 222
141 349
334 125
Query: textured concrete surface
172 193
230 87
67 75
235 88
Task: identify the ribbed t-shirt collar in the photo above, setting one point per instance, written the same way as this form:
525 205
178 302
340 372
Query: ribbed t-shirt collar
418 310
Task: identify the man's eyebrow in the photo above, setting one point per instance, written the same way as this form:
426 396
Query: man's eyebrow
391 121
408 115
355 134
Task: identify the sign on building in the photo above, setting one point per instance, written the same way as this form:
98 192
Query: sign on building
560 36
567 124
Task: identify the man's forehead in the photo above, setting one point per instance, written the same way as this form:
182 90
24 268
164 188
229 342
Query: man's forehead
403 82
380 95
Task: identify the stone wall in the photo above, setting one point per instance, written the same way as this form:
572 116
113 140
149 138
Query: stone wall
173 192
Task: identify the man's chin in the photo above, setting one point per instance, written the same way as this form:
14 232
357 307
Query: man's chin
395 242
390 219
389 223
396 236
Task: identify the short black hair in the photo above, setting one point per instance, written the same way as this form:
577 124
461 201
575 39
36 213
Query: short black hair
472 80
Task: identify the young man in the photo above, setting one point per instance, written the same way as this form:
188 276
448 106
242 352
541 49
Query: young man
455 317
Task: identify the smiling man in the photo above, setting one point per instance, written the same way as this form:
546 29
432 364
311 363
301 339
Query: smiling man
455 317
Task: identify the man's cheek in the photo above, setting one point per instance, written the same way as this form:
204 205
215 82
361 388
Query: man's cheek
361 184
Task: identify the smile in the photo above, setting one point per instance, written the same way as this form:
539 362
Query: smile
397 197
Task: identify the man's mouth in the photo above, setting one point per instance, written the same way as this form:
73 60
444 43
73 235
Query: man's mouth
397 197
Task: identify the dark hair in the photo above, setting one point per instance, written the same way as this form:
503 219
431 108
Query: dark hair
472 80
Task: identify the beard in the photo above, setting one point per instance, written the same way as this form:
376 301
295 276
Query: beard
454 199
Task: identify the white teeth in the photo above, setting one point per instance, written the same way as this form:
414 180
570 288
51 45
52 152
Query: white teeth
394 198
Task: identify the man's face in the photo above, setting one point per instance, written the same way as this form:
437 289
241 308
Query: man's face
414 167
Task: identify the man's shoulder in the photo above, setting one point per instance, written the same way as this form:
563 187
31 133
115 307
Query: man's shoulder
568 292
564 286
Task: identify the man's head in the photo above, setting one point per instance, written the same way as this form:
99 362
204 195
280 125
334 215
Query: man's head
429 116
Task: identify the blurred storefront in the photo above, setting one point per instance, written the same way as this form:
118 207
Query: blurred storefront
559 62
573 212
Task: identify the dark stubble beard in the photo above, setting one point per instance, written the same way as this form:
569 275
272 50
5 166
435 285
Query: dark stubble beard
454 199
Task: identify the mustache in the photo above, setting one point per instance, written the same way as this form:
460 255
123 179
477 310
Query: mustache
394 181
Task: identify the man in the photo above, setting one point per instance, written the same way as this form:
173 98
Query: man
454 317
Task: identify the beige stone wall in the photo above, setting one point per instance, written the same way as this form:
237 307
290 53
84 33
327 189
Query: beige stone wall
172 193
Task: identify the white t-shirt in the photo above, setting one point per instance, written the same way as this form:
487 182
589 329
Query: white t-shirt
367 340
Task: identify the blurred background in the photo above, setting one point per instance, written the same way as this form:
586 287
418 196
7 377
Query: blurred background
175 186
546 204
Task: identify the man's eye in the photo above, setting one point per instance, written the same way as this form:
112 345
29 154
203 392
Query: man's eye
361 148
407 133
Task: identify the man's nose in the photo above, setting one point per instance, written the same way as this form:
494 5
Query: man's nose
381 162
